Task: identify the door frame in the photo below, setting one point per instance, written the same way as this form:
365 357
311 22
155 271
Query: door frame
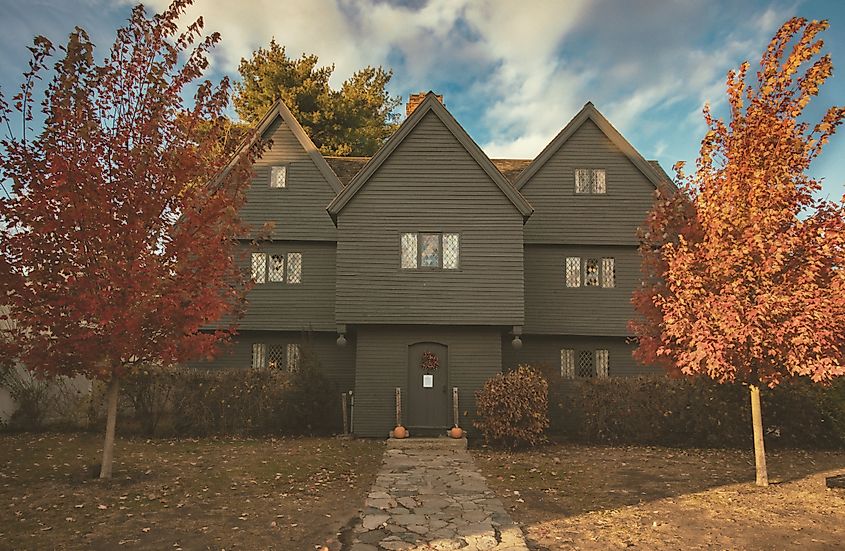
412 378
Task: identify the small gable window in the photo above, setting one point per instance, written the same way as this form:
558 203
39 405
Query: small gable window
590 181
277 268
430 251
279 176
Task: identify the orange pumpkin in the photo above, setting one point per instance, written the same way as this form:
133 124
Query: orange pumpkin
456 432
400 432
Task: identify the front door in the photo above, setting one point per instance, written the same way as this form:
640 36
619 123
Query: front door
428 381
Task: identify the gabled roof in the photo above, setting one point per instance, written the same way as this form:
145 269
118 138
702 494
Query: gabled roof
347 167
589 112
432 105
279 109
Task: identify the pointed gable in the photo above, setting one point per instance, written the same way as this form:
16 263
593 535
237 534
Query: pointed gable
429 107
296 211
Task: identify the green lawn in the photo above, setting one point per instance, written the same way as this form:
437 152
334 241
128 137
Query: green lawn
214 493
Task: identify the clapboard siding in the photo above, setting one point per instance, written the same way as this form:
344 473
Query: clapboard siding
561 216
382 365
294 307
553 308
336 362
298 211
430 183
544 350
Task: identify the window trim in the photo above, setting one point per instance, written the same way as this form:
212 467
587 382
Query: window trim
441 256
286 166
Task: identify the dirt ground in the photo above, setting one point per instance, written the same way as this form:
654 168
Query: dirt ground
287 494
597 498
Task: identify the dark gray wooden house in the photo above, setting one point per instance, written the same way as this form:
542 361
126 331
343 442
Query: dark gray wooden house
430 267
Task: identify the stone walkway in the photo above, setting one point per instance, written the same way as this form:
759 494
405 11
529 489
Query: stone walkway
428 495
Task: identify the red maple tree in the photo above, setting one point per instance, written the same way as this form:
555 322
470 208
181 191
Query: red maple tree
756 293
117 240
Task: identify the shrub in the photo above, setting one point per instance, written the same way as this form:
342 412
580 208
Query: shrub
31 395
512 408
658 410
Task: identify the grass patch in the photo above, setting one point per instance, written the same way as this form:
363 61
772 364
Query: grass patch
212 493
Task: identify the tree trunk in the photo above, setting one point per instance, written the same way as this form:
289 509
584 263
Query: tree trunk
759 450
111 421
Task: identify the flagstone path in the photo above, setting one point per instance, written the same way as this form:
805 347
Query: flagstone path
428 495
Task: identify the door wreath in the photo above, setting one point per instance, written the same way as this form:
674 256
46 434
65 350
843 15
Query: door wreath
430 361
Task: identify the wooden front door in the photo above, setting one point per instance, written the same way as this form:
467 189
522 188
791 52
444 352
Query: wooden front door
428 393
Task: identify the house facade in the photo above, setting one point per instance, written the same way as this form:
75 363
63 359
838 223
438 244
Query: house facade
430 267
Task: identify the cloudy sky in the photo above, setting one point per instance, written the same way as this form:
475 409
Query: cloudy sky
513 72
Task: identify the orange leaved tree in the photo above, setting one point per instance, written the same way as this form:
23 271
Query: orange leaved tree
756 293
117 240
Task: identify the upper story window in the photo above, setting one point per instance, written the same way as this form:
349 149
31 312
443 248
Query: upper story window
596 272
279 176
584 364
277 268
430 251
590 181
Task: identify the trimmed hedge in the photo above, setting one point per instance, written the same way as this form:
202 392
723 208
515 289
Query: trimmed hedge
659 410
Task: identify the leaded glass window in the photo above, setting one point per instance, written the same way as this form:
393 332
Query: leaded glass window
608 272
293 353
259 267
430 250
573 271
598 181
259 355
409 250
585 366
451 251
278 176
277 268
591 273
275 356
567 363
294 267
602 363
582 180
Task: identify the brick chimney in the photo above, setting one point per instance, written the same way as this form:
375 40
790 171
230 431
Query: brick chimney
414 100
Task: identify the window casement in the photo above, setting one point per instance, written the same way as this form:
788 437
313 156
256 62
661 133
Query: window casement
279 176
596 272
275 356
293 355
429 251
584 364
259 356
590 181
277 268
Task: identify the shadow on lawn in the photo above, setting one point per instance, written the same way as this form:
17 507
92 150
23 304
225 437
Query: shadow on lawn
569 480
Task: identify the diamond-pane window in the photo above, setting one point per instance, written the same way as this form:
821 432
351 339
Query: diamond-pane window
567 363
259 267
409 250
585 364
451 251
591 273
259 355
277 268
582 180
573 271
294 267
598 181
430 250
293 354
278 176
608 272
602 363
275 356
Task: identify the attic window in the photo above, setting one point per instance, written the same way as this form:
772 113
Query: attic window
590 181
430 251
278 176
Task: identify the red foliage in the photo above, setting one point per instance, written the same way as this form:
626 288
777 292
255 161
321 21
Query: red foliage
116 245
757 292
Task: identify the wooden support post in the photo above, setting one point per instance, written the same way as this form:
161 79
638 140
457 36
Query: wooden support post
398 406
455 416
344 406
759 449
